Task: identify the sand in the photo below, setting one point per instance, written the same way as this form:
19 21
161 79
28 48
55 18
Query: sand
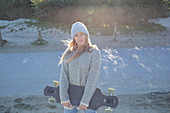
144 103
20 44
147 103
20 36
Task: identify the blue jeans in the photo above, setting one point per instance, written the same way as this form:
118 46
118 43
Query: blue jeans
74 110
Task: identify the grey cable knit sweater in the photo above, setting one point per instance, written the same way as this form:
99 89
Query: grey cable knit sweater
82 71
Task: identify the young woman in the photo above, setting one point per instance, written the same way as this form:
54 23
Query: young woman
81 63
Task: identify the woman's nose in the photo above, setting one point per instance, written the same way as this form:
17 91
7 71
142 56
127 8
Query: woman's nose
79 37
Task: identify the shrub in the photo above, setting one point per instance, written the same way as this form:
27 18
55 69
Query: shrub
14 9
100 11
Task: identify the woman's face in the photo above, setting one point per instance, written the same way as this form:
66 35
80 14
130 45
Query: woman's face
80 38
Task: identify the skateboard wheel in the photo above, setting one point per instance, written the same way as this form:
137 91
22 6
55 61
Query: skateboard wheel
108 110
55 83
51 100
111 91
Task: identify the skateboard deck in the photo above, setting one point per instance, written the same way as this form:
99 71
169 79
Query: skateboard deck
75 95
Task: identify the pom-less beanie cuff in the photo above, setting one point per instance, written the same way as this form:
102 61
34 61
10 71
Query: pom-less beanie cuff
79 27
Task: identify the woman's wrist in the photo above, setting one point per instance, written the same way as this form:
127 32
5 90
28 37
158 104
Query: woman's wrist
65 101
84 104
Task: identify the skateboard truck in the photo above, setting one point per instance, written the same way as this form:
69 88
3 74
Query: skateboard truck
51 100
111 93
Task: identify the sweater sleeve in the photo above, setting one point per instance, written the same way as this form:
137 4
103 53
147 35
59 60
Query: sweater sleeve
64 83
92 79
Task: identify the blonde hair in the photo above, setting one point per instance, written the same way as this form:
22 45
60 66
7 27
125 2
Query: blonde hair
73 46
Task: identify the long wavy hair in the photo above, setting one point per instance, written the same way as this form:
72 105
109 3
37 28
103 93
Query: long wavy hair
73 47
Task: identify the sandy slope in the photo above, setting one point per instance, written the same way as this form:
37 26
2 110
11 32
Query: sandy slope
20 40
21 44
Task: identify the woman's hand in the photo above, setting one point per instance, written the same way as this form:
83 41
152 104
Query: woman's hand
67 104
82 107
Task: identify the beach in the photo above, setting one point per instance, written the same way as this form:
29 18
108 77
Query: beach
147 103
19 52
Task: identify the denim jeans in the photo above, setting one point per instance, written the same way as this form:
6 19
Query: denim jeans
74 110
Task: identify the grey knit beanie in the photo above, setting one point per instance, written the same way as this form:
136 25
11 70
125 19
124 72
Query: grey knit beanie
79 27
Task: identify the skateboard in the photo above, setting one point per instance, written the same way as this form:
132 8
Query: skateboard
75 95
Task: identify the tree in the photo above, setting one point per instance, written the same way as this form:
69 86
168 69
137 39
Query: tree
39 41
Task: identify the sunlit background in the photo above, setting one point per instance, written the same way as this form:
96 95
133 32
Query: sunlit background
98 15
133 36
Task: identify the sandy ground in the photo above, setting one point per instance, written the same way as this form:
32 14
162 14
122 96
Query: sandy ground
148 103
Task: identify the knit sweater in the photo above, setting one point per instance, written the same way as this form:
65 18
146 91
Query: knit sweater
82 71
